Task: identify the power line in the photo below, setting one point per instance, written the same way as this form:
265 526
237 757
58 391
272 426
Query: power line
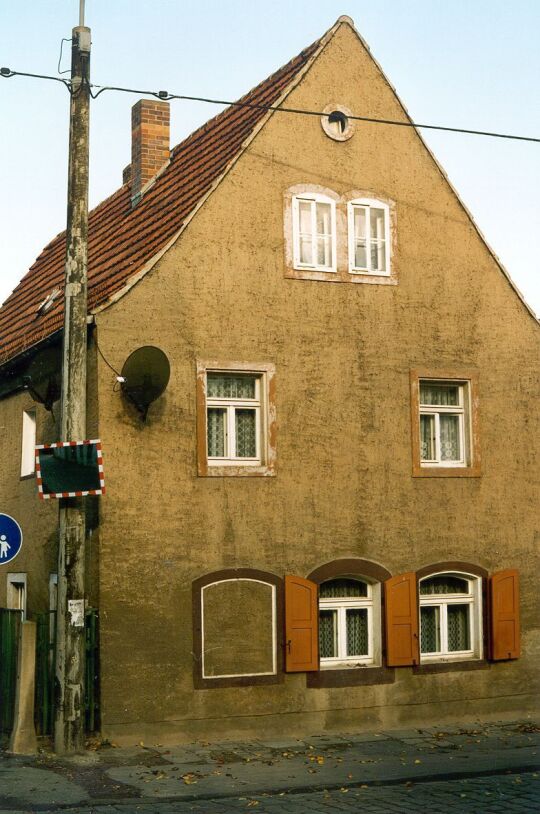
7 73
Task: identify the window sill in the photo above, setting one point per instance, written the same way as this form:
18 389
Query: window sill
200 683
213 471
340 276
350 677
420 471
450 666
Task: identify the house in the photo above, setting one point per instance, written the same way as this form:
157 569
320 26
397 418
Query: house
325 519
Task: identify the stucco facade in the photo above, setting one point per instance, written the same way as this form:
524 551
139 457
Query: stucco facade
343 486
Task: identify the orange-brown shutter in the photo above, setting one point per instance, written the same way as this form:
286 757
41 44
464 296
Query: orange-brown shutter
504 606
401 608
301 625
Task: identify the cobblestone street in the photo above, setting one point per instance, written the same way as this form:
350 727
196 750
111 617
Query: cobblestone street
489 767
503 793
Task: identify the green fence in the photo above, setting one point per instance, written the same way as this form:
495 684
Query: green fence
45 672
10 621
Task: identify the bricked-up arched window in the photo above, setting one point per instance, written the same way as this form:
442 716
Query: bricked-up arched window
237 624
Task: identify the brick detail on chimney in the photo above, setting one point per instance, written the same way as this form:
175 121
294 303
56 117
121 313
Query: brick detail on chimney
150 124
126 174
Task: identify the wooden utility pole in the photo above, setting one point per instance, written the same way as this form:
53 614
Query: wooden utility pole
69 725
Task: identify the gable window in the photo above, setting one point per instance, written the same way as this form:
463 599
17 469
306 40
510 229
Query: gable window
28 444
314 232
445 425
236 419
450 618
345 623
369 239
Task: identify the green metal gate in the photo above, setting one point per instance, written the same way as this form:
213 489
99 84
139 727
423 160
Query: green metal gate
10 621
45 672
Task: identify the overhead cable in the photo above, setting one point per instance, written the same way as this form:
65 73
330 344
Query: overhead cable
166 96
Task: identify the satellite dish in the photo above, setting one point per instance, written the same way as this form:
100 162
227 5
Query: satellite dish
145 376
43 378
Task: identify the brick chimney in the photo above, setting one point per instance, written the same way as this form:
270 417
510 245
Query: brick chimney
150 121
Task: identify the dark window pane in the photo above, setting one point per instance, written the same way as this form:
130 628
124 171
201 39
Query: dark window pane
444 584
459 637
225 386
246 444
357 632
430 631
328 634
342 588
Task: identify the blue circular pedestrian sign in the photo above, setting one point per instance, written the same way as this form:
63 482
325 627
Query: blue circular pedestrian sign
10 539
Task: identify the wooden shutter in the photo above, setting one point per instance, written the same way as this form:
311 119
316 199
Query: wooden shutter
504 607
301 625
401 608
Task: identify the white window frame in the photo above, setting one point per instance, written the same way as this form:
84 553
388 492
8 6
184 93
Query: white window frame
461 410
367 204
17 592
230 405
341 606
273 671
473 600
313 198
28 443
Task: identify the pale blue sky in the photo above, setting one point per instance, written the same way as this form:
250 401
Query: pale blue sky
468 63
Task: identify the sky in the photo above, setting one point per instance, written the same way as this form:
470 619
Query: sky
469 63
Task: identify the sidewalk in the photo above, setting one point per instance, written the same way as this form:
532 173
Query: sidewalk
195 772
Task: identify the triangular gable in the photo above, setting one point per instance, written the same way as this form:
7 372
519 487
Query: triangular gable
125 243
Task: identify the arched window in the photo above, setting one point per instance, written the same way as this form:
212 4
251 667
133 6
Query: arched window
450 617
369 237
346 629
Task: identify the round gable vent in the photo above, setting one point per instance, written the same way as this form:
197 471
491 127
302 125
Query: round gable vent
336 122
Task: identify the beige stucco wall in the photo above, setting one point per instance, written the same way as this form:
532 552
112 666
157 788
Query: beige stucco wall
343 486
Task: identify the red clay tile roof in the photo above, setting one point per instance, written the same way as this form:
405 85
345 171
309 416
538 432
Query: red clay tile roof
121 239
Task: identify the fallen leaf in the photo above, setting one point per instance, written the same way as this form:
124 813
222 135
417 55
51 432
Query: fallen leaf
349 776
417 761
141 743
253 803
344 790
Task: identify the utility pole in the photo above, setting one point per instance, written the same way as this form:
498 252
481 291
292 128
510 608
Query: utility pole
69 725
